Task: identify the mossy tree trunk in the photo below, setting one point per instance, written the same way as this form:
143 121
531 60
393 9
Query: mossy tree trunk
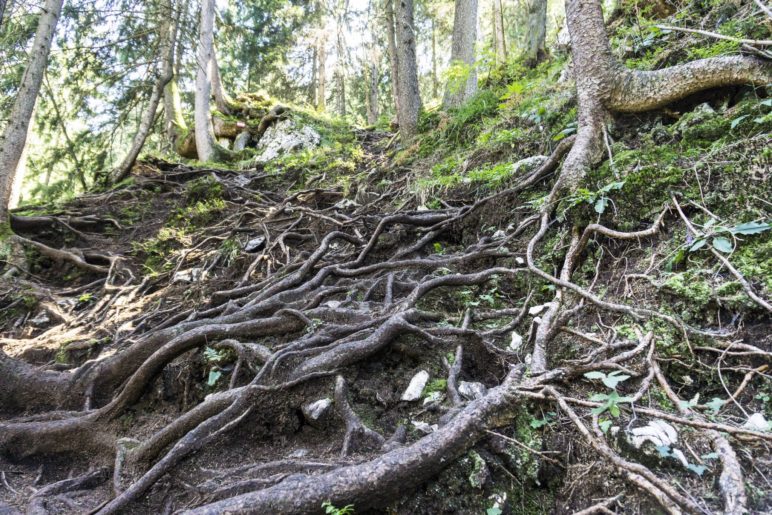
205 143
462 54
499 34
535 44
409 95
605 86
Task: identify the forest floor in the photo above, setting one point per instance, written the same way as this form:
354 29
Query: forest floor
209 332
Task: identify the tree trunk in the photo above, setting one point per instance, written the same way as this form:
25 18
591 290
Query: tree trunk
535 50
221 98
165 74
435 76
462 54
604 85
205 144
15 136
372 93
340 66
409 96
321 88
174 122
499 35
314 76
392 48
2 11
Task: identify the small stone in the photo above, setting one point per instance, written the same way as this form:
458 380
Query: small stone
241 141
189 276
284 137
519 260
298 453
424 427
516 343
528 164
658 432
480 473
472 391
433 398
535 310
757 422
316 412
416 386
40 320
254 244
333 304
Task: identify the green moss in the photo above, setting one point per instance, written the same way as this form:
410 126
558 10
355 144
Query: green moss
691 286
436 385
203 189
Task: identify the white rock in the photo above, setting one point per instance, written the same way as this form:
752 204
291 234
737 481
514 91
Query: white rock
679 455
424 427
499 235
189 276
519 260
345 204
471 391
241 141
315 411
254 244
528 164
40 320
517 341
757 422
416 386
432 397
298 453
333 304
535 310
284 137
658 432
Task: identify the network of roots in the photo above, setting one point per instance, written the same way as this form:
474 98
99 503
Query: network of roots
179 378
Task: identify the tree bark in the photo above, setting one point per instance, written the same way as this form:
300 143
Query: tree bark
605 86
462 54
499 34
314 75
205 143
372 93
221 98
321 88
435 76
535 49
165 74
2 11
15 136
174 123
392 48
409 103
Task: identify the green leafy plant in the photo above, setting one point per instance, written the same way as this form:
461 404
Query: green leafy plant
537 423
610 401
329 509
611 380
722 243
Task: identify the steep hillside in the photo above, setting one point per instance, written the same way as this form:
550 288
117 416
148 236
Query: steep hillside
363 322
